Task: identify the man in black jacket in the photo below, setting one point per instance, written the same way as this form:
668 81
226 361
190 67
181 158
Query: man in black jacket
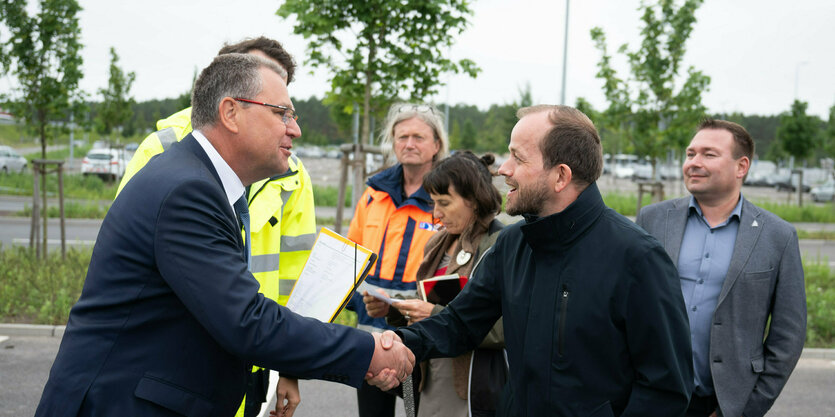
594 319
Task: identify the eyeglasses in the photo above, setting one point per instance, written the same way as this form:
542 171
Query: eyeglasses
285 112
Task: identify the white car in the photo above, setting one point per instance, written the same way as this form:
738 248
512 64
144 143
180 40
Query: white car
824 192
109 164
10 161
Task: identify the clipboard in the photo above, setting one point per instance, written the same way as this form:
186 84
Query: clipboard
332 273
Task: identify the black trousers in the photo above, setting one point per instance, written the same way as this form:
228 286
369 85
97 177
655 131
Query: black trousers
702 406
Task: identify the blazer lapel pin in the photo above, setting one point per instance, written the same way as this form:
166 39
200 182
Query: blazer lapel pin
755 224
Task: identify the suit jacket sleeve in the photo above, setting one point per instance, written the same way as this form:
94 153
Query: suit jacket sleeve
198 252
787 333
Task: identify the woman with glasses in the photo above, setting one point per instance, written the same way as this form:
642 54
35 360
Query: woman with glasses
394 218
466 203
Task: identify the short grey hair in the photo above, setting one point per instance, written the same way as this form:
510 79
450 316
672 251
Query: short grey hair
229 75
425 113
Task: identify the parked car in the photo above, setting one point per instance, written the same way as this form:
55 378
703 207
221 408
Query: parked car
10 161
759 172
109 164
824 192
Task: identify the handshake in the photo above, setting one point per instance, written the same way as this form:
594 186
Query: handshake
391 363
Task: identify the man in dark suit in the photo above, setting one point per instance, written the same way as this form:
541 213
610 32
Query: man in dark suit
739 267
170 321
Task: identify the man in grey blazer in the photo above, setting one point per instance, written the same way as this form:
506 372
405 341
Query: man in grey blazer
739 266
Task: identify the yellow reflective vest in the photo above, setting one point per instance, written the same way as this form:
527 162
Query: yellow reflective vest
282 215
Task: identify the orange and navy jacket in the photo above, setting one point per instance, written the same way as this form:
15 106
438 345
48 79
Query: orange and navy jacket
397 228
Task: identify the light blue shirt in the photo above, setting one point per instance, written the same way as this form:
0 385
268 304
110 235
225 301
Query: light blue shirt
702 266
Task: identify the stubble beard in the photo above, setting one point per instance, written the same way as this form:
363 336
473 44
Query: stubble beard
529 200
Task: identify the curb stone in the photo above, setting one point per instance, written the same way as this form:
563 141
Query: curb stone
42 330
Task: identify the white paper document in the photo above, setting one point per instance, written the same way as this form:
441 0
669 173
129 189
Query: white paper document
335 268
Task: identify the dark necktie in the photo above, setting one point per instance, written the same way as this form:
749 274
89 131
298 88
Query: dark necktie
243 216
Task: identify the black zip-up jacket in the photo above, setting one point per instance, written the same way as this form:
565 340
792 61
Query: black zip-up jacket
594 319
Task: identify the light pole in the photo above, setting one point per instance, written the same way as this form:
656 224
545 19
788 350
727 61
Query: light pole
797 77
564 54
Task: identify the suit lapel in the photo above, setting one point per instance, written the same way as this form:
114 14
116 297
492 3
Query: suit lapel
746 238
191 144
676 221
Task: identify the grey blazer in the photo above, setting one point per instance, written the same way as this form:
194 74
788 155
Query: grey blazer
750 359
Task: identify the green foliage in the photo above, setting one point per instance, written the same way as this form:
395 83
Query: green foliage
820 304
44 291
73 210
43 52
809 213
116 107
648 109
625 204
328 196
381 48
40 290
797 131
75 186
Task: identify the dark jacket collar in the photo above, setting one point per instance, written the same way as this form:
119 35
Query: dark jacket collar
563 228
190 143
390 181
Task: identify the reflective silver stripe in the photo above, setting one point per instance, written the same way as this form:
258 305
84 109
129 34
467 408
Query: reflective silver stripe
295 159
264 263
285 196
285 286
300 242
166 137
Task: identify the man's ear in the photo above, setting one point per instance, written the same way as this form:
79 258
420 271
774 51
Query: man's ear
742 166
561 176
229 114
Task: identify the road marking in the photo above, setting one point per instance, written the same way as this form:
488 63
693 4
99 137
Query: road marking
25 241
3 338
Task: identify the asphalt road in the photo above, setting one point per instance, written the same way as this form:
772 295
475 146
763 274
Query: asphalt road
25 363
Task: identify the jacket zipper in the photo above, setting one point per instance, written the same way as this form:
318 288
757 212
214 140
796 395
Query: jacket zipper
563 311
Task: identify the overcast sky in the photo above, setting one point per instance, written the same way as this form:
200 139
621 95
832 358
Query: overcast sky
758 53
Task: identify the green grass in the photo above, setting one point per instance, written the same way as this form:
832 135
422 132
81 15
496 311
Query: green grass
64 154
327 196
625 204
43 291
820 304
810 212
72 210
816 234
40 291
75 186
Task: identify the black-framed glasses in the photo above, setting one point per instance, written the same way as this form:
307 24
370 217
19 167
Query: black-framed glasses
286 113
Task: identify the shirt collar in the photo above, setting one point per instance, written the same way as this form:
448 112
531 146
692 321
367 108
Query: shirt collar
232 185
736 212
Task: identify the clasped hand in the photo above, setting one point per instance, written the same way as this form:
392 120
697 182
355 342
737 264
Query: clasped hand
413 310
392 362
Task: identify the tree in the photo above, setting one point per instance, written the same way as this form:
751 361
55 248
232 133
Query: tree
117 105
42 51
386 48
829 134
797 131
648 109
